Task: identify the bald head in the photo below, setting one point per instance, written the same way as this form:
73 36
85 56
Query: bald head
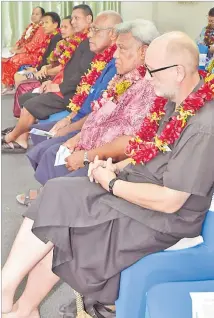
110 17
102 35
176 48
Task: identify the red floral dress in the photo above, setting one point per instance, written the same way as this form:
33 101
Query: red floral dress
12 65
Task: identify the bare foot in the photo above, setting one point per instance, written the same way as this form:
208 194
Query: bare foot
6 301
16 314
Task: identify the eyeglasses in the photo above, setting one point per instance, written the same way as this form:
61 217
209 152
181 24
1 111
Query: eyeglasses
95 30
159 69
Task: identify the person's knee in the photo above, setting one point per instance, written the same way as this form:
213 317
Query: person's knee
25 113
19 78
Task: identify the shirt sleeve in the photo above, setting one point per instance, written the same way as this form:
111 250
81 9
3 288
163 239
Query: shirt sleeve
191 166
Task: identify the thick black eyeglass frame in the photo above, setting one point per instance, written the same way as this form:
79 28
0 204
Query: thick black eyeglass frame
159 69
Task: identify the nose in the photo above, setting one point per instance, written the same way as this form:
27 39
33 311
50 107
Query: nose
116 54
148 77
90 34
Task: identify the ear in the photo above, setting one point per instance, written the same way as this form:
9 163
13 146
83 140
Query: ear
113 35
181 73
143 50
55 25
89 19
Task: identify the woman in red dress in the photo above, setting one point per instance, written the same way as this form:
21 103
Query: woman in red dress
26 49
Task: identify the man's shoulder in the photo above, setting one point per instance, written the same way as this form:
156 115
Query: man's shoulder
56 37
84 45
203 121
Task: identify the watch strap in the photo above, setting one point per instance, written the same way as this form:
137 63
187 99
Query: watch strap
111 185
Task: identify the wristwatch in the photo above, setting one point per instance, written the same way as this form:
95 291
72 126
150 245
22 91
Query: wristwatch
85 159
111 185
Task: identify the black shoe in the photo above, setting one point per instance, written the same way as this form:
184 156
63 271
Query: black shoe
96 310
7 130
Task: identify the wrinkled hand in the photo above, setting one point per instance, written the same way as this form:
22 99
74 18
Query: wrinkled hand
44 86
42 73
59 125
71 143
63 131
52 88
93 165
104 175
75 160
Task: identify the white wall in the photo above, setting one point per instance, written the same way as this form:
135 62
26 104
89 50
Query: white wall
168 16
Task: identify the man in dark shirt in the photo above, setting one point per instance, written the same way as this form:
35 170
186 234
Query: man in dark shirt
54 95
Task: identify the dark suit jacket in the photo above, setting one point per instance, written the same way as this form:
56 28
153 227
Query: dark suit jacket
55 39
75 69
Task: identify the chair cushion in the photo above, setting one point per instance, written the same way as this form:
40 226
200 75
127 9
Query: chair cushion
173 300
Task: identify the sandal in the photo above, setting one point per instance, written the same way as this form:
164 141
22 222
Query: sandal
26 199
7 130
8 91
11 147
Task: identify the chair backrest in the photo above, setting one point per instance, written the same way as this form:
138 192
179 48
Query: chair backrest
208 226
203 50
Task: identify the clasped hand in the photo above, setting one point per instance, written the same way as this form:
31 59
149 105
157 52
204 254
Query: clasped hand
102 172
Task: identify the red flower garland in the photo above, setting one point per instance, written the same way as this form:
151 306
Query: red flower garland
146 145
88 80
66 48
24 41
209 36
44 47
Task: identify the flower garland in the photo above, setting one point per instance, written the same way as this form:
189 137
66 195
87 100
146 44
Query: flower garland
210 66
117 87
147 144
44 46
209 36
88 80
24 40
66 48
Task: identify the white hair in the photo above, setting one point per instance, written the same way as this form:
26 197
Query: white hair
144 31
112 14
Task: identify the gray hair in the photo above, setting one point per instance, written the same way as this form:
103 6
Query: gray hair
142 30
114 15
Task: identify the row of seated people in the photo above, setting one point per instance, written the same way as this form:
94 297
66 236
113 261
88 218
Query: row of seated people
139 176
40 39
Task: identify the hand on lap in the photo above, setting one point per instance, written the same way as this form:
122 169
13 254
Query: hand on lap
75 160
104 175
52 88
59 125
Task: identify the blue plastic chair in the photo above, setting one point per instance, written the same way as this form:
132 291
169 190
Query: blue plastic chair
173 300
203 51
55 117
191 264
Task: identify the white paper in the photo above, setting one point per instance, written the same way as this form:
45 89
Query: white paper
36 90
202 59
202 304
40 132
186 242
62 153
5 53
23 72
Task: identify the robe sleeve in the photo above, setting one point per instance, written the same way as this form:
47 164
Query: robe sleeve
191 166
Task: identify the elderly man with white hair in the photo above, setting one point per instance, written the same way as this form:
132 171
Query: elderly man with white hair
97 229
